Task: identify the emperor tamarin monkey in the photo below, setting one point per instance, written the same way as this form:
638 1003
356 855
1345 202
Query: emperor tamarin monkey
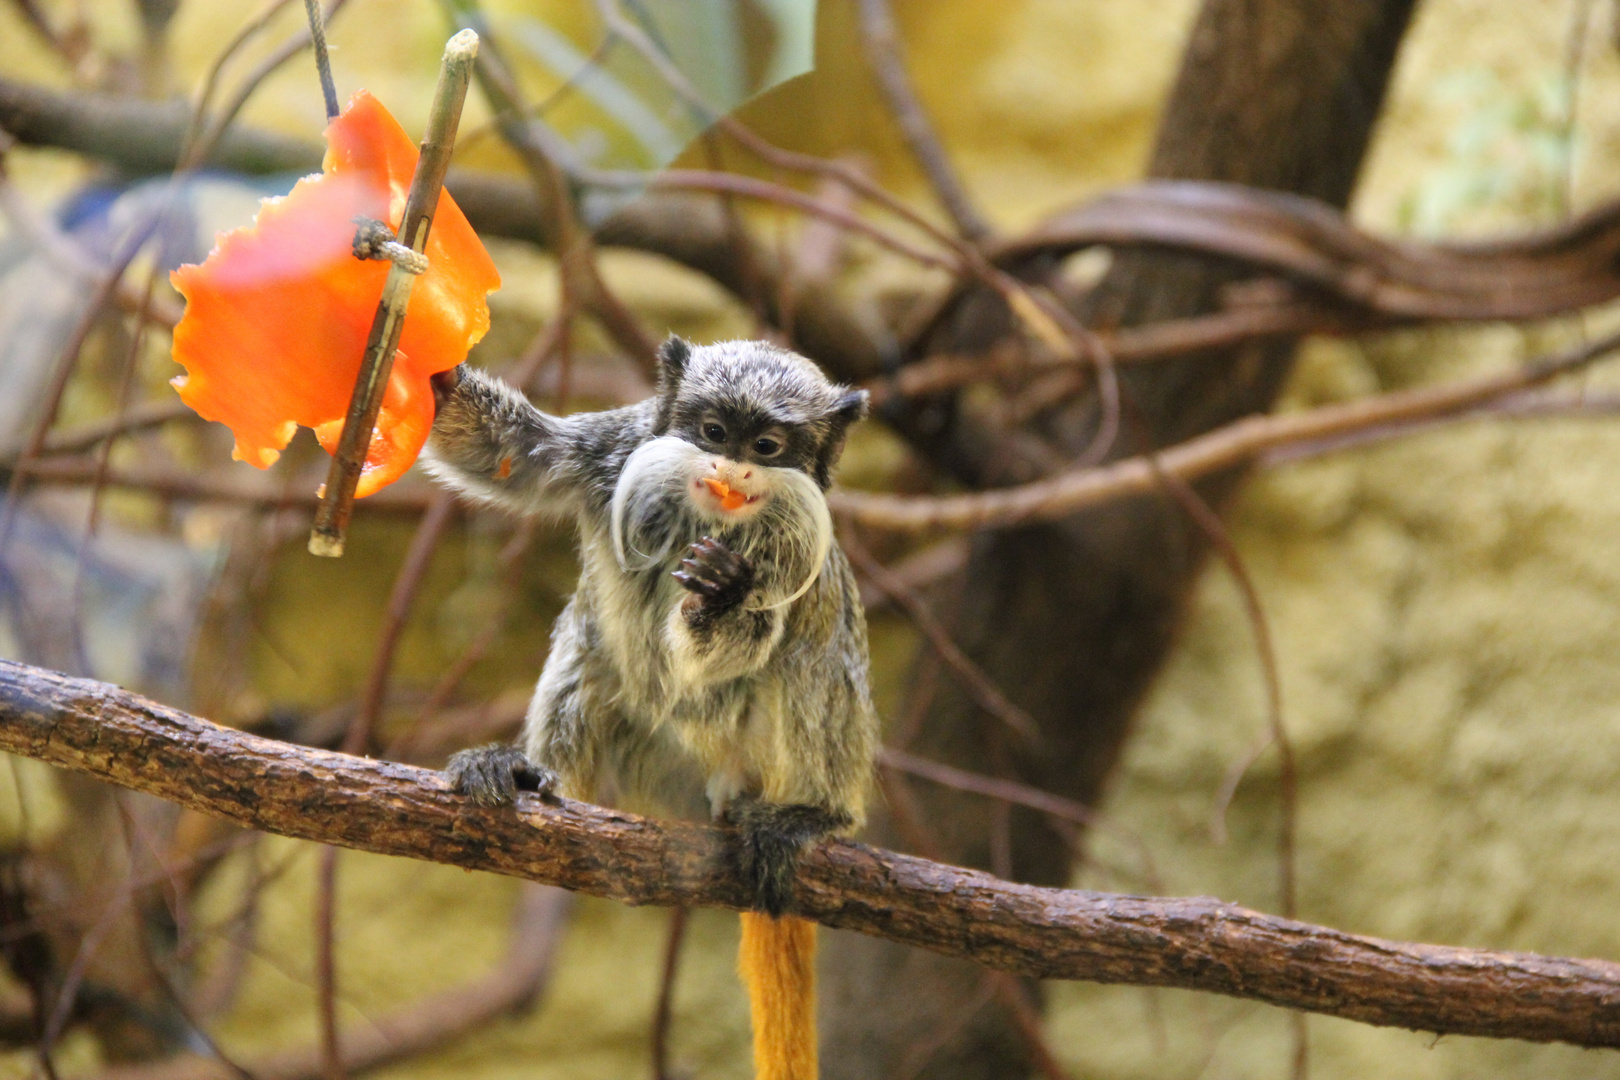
714 655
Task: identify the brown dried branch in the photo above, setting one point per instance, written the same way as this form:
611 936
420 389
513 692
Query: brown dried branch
62 373
232 485
143 138
985 693
558 222
103 451
249 30
1027 304
413 569
1523 405
1372 281
763 190
136 418
202 140
1192 943
1540 274
1130 345
1048 499
918 571
882 42
664 1011
1536 275
1210 524
417 1028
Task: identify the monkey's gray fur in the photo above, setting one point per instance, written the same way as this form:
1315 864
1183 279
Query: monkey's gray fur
711 659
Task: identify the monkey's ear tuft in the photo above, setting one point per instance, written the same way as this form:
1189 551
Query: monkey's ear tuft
672 357
851 406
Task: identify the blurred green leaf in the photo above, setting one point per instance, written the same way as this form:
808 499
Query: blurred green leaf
613 107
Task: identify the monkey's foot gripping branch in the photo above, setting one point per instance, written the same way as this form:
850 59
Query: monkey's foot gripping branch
1192 943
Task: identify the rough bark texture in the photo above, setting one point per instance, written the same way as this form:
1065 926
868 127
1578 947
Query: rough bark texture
1072 619
1194 943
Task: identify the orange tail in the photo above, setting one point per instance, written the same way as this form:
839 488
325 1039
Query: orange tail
777 961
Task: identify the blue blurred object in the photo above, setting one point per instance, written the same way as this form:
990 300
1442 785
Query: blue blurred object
125 605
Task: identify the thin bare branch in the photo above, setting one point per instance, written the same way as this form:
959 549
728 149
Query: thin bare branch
1130 345
1046 500
1015 793
137 418
1534 275
63 372
664 1012
558 223
216 68
919 570
417 1028
1210 524
883 51
228 486
984 693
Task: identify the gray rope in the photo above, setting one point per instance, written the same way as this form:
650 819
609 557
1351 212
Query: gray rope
373 239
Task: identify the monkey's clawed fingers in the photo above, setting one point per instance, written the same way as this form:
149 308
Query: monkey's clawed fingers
716 573
493 775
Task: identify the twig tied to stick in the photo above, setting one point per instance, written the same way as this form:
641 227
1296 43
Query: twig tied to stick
337 498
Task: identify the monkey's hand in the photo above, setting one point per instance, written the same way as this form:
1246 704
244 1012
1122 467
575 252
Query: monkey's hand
718 579
493 775
772 837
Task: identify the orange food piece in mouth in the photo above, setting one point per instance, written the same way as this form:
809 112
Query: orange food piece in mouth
730 498
277 315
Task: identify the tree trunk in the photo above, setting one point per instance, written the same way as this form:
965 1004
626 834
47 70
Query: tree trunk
1072 619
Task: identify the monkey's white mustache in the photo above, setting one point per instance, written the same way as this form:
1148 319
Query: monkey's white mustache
654 517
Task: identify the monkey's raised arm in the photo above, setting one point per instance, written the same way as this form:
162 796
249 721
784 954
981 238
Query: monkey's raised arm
491 444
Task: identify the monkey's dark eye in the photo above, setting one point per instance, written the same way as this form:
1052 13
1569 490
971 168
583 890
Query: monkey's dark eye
714 433
767 447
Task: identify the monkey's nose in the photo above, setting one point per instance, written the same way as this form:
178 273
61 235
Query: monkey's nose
731 472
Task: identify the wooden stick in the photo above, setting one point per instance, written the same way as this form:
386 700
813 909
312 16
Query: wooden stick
337 499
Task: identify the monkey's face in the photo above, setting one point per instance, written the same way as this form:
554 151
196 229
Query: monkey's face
762 409
743 457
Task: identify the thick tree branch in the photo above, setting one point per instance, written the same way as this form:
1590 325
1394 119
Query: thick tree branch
1196 943
1528 276
139 136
